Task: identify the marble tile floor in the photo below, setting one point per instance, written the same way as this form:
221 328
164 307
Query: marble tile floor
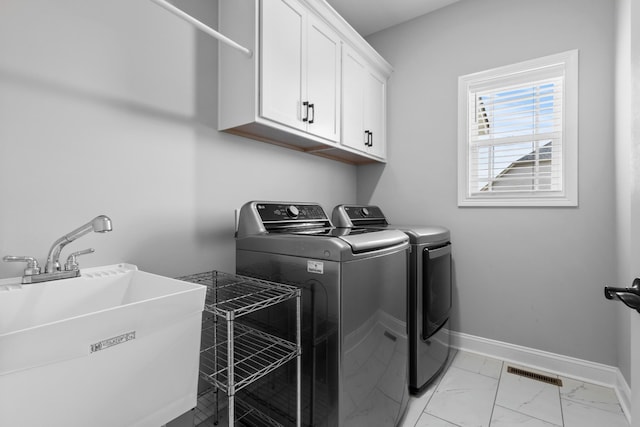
477 391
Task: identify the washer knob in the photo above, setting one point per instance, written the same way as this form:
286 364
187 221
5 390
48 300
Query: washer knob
292 211
365 212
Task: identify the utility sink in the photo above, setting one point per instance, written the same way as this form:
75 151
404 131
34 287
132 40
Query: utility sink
113 347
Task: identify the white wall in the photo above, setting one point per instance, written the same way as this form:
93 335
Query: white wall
526 276
109 107
634 334
623 169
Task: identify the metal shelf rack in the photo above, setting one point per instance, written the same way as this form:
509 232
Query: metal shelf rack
234 355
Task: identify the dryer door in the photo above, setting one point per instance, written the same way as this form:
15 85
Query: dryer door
436 289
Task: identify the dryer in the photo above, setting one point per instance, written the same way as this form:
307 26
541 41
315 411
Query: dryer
429 289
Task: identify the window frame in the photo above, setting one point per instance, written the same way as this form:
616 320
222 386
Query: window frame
568 196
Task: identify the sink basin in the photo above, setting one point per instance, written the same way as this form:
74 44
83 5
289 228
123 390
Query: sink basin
114 347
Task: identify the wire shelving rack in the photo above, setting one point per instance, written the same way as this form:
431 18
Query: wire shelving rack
232 354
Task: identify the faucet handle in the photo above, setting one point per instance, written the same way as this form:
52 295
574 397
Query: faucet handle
32 264
72 259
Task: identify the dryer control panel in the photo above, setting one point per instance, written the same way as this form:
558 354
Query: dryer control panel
358 215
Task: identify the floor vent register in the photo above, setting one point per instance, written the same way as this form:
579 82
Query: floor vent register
535 376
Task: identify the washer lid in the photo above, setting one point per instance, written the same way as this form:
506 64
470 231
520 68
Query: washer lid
372 217
372 240
419 234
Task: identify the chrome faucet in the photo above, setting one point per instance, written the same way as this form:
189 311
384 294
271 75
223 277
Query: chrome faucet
100 224
52 270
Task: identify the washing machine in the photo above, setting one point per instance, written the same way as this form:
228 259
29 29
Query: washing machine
354 330
429 289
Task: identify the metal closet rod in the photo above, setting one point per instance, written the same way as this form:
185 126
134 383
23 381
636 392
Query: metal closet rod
193 21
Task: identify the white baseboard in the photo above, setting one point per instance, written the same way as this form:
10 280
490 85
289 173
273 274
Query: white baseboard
624 394
583 370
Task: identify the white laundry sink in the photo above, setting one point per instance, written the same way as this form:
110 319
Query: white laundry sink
114 347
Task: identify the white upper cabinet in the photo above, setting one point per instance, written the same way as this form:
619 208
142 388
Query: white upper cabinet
323 80
353 131
375 113
290 92
300 70
283 64
363 105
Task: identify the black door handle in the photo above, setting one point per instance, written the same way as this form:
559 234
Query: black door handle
628 296
368 142
305 104
313 113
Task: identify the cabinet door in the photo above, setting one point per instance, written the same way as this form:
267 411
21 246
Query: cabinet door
353 86
323 80
375 114
282 65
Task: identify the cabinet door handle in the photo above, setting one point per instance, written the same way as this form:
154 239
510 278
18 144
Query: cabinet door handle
313 113
305 108
366 138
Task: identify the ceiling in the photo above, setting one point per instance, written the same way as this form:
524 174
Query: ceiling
370 16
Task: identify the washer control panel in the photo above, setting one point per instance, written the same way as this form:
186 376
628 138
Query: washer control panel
270 212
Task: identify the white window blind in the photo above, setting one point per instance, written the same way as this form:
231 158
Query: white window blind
515 138
513 135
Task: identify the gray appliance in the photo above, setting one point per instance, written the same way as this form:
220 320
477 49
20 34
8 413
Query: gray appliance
354 331
429 289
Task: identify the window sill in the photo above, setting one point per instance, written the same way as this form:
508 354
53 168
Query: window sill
526 201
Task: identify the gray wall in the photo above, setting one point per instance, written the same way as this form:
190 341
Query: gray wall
527 276
109 107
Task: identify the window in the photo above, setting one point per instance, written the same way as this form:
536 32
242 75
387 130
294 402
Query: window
517 134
